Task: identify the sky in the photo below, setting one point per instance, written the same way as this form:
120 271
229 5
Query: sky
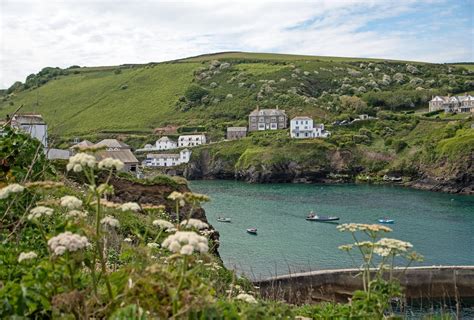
39 33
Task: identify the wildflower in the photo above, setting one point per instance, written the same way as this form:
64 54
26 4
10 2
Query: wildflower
247 298
153 245
80 160
27 256
130 206
128 240
367 244
176 196
76 214
105 189
381 251
163 224
110 222
176 242
11 188
71 202
152 206
394 244
196 197
347 247
110 163
194 223
353 227
44 184
67 241
187 250
40 211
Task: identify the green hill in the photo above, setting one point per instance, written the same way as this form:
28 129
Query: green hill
219 89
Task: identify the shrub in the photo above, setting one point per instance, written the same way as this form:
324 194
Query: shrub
194 93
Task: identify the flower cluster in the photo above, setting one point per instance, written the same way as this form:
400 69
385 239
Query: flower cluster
39 211
177 196
246 297
67 241
163 224
194 223
387 246
76 214
107 204
153 245
130 206
27 256
110 163
110 222
80 160
195 197
148 206
71 202
11 188
185 242
353 227
44 184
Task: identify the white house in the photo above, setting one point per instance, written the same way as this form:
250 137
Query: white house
33 124
191 140
303 127
463 103
165 143
167 159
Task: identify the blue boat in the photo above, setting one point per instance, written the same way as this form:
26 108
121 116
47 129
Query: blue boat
387 221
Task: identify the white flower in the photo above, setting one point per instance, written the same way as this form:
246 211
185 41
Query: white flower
27 256
109 163
130 206
67 241
394 244
246 297
383 252
128 240
110 221
71 202
76 214
176 196
178 242
39 211
163 224
80 160
11 188
153 245
194 223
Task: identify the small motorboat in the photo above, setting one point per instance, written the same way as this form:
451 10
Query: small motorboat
222 219
387 221
252 230
317 217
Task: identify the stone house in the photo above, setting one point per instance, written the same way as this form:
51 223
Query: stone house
167 159
304 128
267 119
449 104
235 133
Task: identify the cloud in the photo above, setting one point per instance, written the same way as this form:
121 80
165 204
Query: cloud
35 34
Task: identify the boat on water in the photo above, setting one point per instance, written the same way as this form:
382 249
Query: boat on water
317 217
252 230
387 221
222 219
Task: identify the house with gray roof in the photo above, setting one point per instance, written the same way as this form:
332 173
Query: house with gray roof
449 104
33 124
235 133
267 119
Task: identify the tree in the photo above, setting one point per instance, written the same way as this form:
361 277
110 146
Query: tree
194 93
353 103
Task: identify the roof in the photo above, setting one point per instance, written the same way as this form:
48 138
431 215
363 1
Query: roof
164 139
301 118
268 112
234 129
162 155
82 144
124 155
112 143
58 154
466 97
192 136
26 118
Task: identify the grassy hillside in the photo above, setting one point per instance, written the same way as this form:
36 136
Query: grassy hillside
215 91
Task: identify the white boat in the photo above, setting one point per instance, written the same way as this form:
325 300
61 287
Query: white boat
222 219
387 221
252 230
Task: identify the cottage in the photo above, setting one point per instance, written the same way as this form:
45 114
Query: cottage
303 127
165 143
112 145
267 119
33 124
167 159
191 140
449 104
235 133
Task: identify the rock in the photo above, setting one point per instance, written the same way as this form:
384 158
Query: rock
282 80
241 84
229 96
306 73
412 69
224 65
213 85
215 63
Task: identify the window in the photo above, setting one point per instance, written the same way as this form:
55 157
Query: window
282 118
261 119
253 119
274 119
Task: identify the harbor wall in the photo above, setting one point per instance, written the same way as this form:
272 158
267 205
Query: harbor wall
448 283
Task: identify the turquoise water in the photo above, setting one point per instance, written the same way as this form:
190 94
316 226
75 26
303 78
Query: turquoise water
440 226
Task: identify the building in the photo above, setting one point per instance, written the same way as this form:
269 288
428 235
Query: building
33 124
303 127
235 133
84 144
112 145
167 159
191 140
463 103
165 143
267 119
58 154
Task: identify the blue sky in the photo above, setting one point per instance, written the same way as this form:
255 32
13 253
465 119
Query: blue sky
35 34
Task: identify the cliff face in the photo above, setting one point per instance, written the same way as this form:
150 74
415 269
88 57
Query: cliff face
338 166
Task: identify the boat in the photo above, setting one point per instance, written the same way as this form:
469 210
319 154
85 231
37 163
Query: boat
252 230
317 217
222 219
387 221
